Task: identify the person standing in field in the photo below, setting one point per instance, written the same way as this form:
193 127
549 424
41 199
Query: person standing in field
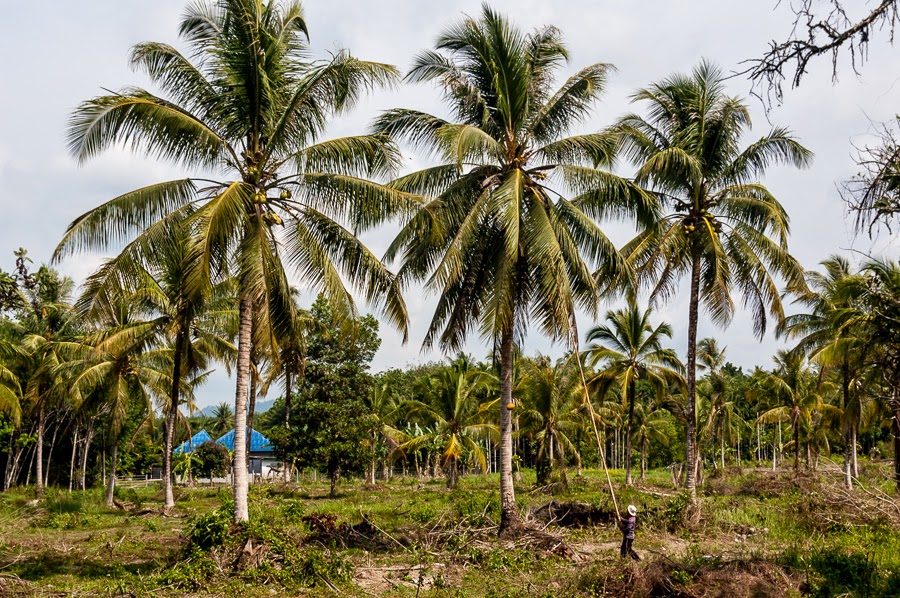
628 524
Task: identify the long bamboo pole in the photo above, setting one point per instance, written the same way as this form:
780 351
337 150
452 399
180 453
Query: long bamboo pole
593 416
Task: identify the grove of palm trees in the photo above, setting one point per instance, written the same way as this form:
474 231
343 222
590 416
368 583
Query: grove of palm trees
462 340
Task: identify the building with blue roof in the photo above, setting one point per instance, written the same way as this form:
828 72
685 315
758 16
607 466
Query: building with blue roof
191 444
262 452
259 444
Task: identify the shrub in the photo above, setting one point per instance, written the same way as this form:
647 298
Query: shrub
210 530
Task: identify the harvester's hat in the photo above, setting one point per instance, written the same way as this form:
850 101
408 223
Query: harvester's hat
632 510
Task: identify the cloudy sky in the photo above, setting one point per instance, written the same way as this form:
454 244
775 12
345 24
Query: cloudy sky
58 53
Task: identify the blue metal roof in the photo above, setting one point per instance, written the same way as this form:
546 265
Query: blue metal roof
191 445
258 442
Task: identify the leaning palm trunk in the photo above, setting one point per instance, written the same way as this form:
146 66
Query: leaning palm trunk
239 462
509 515
691 460
72 461
50 455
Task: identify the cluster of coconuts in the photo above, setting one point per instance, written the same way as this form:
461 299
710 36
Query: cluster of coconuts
690 223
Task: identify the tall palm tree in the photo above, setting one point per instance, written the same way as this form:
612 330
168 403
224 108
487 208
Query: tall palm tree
797 395
381 405
629 349
48 329
192 320
288 358
118 365
710 356
222 418
651 423
721 415
827 335
247 102
874 316
722 228
552 405
508 238
10 386
455 414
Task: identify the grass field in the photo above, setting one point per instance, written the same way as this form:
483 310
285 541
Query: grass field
756 533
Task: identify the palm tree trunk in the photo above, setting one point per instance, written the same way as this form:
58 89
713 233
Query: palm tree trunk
7 475
690 478
39 447
774 452
50 455
845 391
797 445
853 450
631 392
643 457
88 438
72 462
239 464
111 484
896 433
287 417
453 473
251 408
370 473
171 422
509 515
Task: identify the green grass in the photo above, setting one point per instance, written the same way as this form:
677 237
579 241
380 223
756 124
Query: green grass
72 543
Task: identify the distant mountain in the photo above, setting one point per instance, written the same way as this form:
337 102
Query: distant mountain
261 407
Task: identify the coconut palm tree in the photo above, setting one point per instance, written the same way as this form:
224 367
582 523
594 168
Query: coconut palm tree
630 349
797 395
552 403
222 418
710 357
722 228
118 365
10 386
247 102
874 295
826 334
508 237
650 423
721 418
194 321
47 329
288 359
455 414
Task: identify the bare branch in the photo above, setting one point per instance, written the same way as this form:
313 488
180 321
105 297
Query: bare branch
821 28
873 194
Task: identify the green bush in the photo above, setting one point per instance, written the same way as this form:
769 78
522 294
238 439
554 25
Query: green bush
210 530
